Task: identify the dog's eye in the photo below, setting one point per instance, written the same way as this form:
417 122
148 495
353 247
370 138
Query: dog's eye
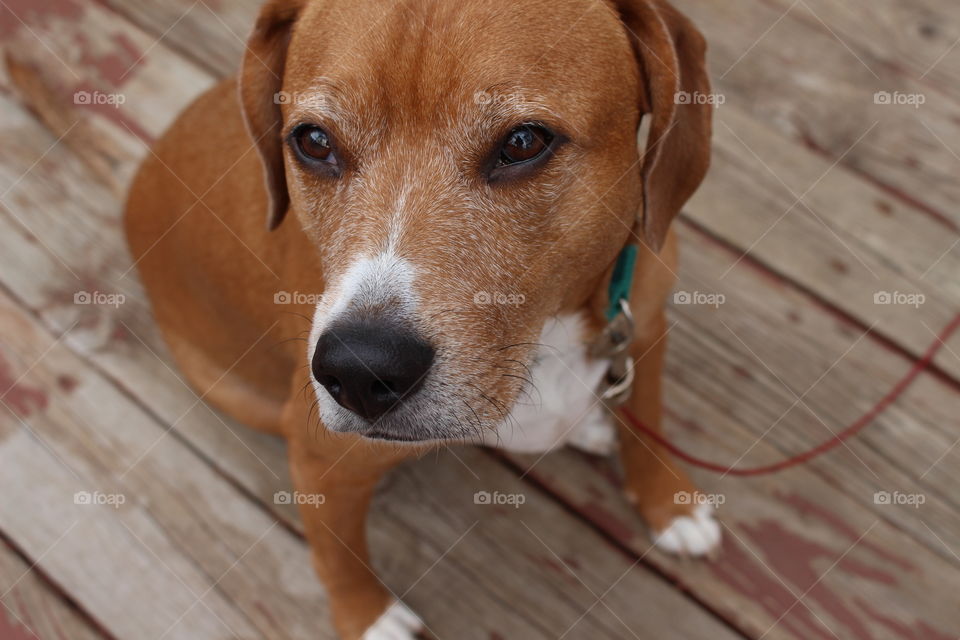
523 144
314 144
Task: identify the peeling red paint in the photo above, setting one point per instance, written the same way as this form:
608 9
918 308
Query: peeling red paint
800 563
603 469
12 629
120 333
840 266
115 67
67 383
741 372
22 399
807 509
739 569
555 565
922 630
15 13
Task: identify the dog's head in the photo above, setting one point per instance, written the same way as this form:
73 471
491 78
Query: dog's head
465 170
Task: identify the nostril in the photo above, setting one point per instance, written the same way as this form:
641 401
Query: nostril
331 384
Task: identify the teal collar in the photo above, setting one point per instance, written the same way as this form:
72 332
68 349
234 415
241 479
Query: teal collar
621 281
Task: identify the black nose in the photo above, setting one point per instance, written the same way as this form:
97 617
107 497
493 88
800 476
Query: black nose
370 367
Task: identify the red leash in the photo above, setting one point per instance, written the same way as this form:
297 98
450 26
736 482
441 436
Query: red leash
918 367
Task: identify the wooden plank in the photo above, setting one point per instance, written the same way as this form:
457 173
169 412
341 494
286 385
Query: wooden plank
121 344
778 347
32 609
789 68
211 34
183 530
848 244
918 39
784 532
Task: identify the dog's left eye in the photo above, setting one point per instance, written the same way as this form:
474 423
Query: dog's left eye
523 144
314 144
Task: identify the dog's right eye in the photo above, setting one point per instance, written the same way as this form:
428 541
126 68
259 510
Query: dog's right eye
314 145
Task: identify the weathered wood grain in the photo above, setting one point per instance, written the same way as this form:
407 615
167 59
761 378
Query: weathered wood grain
208 32
32 609
846 243
919 39
817 88
184 526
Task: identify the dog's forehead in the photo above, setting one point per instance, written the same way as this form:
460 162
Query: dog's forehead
435 55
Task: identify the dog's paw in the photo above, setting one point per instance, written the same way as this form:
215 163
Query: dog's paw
397 623
697 534
596 435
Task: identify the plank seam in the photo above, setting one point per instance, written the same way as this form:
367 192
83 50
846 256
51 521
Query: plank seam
671 579
55 587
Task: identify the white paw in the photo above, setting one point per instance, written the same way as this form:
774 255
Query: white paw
596 434
695 535
396 623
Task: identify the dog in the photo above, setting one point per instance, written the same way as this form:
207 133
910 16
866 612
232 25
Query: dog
450 190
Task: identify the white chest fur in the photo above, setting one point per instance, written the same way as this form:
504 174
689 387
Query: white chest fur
562 405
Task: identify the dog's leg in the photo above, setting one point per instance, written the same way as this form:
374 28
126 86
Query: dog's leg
339 474
660 490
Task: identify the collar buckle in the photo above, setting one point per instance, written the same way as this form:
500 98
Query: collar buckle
613 343
616 337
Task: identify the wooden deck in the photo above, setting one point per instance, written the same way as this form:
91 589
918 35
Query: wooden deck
819 200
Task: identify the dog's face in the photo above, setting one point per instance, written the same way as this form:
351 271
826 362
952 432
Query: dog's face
465 170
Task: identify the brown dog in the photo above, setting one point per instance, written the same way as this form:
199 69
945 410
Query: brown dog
461 178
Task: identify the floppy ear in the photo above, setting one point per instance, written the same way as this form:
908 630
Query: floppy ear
672 56
261 77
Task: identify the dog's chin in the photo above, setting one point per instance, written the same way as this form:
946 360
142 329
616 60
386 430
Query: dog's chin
428 424
379 435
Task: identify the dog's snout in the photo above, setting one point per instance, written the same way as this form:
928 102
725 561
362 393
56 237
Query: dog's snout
371 367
